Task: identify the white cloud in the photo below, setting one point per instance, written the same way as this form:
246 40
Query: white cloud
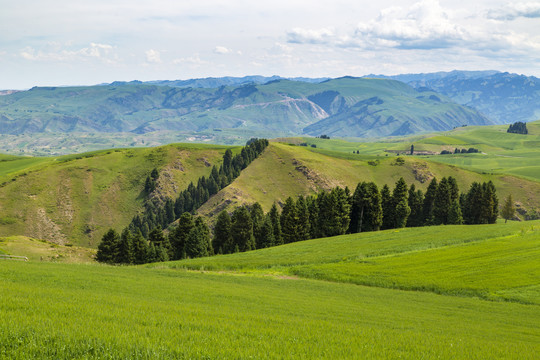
513 11
153 56
194 61
310 36
59 52
222 50
425 25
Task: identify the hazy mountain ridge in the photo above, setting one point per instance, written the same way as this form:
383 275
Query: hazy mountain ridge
503 97
333 107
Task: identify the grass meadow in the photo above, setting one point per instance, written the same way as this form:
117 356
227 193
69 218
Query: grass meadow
73 311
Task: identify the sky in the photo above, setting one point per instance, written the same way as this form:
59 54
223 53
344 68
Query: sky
81 42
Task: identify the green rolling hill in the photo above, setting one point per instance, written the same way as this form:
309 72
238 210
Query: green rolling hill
76 198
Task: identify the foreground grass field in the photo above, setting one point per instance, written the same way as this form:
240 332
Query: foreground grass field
271 303
86 311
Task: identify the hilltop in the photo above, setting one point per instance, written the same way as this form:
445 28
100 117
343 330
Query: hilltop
75 199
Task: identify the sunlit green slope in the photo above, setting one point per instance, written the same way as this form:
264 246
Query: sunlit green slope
284 170
76 198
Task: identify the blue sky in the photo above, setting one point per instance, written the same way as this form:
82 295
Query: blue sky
58 42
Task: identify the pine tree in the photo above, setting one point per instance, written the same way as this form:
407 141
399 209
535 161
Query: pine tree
508 210
169 211
140 249
400 202
276 225
257 217
313 209
108 247
387 208
373 218
416 202
222 242
490 205
152 255
197 242
358 206
442 202
242 229
454 214
429 202
472 209
289 221
125 248
267 233
179 235
304 225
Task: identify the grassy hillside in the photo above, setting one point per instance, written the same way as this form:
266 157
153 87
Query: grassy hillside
161 311
285 170
41 250
486 261
75 199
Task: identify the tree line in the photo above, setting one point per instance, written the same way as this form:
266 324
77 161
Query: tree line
157 215
325 214
143 239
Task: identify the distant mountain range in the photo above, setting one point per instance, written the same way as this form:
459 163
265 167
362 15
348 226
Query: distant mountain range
353 107
504 98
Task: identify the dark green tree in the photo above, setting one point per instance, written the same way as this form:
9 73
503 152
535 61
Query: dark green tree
242 229
276 224
429 202
304 225
257 217
441 205
387 208
125 248
108 247
140 248
222 242
157 238
472 207
401 206
179 235
416 203
289 221
490 204
267 233
454 214
198 240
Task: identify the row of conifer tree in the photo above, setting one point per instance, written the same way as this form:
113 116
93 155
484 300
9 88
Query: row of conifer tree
157 215
331 213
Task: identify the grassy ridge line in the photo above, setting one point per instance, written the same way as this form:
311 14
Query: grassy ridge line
134 312
284 170
77 198
487 261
